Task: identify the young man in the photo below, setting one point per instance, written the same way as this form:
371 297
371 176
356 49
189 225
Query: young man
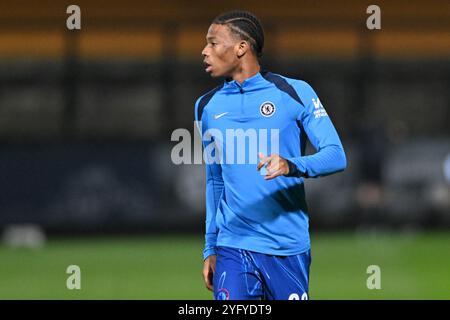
257 237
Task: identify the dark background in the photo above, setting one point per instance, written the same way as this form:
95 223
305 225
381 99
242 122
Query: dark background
86 116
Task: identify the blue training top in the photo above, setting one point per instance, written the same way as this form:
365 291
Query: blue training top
267 113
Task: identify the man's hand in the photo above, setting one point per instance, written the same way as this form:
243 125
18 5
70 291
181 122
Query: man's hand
209 268
276 165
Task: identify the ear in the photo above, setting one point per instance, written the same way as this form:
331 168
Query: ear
242 48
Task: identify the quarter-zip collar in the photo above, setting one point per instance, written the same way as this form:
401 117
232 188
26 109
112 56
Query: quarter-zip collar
255 82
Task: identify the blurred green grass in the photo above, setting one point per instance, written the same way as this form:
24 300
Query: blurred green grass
413 266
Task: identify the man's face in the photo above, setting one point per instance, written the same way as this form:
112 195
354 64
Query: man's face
220 54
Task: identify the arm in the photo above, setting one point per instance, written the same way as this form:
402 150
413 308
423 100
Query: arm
330 155
214 189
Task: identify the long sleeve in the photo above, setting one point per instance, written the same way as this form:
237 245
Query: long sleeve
330 155
214 190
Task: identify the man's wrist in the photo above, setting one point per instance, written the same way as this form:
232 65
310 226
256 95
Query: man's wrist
293 170
209 252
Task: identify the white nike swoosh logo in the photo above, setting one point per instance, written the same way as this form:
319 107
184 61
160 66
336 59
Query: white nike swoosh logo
217 116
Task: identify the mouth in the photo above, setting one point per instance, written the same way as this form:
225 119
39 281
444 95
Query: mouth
208 67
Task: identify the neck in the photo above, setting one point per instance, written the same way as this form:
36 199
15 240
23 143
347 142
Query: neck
246 71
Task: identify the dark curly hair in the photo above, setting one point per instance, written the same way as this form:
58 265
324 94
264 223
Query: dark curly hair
245 25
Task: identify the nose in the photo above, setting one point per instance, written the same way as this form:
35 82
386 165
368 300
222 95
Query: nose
204 51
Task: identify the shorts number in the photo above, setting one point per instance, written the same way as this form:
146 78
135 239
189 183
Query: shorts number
295 296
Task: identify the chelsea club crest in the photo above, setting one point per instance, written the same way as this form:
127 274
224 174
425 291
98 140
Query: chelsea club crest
267 109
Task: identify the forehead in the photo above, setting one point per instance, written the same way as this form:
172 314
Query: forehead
218 31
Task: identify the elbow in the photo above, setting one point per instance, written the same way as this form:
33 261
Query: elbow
339 162
342 159
333 160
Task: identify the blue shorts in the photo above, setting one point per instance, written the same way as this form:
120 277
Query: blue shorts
245 275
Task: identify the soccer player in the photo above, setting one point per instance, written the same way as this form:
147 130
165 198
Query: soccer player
257 243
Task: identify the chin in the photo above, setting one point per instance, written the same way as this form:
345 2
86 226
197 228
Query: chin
214 74
219 74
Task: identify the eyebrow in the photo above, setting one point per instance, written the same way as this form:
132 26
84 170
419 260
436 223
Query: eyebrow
210 38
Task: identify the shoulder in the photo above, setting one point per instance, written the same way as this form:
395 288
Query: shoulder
203 100
299 90
301 86
302 89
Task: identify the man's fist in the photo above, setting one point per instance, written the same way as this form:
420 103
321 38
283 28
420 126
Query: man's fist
275 165
209 268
